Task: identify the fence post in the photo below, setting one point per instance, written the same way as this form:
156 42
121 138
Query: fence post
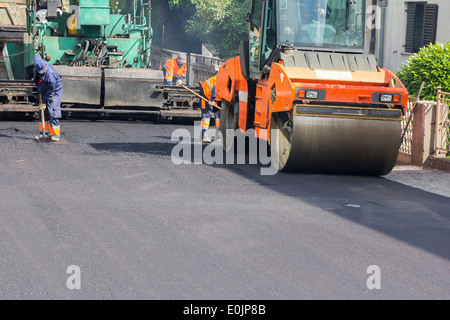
437 129
418 133
188 67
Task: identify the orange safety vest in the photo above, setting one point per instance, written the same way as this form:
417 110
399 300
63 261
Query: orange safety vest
208 85
173 69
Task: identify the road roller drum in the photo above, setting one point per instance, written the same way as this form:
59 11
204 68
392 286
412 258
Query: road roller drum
324 144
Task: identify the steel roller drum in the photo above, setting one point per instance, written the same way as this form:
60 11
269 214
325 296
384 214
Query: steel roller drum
320 144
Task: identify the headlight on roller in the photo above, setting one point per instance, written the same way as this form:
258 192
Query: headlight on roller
386 98
312 94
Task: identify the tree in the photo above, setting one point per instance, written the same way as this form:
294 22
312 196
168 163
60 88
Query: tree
221 23
173 15
430 65
218 22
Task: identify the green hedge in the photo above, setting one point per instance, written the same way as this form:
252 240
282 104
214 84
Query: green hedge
430 65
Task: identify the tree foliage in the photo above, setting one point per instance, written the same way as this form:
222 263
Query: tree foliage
180 4
218 22
169 20
430 65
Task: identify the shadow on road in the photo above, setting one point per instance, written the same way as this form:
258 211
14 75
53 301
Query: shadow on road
411 215
156 148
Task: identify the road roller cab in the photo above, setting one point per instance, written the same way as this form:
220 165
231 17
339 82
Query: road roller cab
304 83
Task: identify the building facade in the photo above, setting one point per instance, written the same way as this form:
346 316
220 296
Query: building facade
405 26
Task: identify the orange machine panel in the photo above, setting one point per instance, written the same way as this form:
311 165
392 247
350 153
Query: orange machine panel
232 87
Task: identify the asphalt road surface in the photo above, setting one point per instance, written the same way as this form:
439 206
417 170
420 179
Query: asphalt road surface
107 214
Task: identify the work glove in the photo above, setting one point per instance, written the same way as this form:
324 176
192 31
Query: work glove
213 104
42 106
179 82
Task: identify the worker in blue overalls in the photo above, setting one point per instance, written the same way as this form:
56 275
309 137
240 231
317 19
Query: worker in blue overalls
49 86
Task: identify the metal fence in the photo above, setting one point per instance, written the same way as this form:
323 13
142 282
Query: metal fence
442 132
199 68
406 146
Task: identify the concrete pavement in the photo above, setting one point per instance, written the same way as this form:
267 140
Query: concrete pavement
424 178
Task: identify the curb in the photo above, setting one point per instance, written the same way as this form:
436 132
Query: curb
438 163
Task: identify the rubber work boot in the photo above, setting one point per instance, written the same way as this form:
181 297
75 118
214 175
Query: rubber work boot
55 137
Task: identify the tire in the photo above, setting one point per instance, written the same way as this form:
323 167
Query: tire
280 144
229 123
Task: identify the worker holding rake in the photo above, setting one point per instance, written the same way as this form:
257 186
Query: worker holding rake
49 86
210 108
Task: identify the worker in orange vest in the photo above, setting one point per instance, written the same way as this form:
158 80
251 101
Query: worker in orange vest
175 70
209 92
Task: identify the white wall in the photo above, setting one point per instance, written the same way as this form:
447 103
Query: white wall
395 30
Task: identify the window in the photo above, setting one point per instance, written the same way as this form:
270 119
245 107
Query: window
335 24
269 36
255 35
420 25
